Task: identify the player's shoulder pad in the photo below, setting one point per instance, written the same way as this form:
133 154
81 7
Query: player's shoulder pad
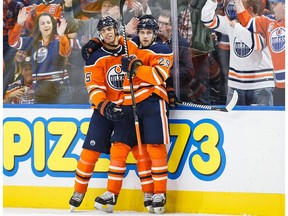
160 48
99 53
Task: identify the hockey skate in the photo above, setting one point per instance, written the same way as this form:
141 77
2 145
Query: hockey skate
106 202
148 202
76 200
158 203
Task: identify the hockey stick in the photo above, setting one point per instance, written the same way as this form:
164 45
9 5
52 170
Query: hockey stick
227 108
139 142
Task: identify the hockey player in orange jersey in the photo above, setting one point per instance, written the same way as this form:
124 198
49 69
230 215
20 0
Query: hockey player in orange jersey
149 83
104 97
104 78
148 67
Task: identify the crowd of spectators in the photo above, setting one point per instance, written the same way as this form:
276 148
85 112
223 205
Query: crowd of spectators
56 68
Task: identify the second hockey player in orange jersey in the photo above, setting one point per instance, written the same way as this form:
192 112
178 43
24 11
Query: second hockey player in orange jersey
148 67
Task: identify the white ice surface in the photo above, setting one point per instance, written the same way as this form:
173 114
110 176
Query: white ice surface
60 212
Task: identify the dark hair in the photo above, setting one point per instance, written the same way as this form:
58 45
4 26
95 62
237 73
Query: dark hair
36 32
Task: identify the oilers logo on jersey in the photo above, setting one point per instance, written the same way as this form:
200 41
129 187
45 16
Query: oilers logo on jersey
41 54
241 49
115 77
277 40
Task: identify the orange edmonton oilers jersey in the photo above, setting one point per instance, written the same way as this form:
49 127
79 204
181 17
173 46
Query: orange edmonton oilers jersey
274 33
104 76
150 78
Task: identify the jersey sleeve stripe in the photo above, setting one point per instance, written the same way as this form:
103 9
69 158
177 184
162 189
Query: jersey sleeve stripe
155 73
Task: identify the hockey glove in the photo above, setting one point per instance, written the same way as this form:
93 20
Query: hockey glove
91 46
129 65
172 97
110 110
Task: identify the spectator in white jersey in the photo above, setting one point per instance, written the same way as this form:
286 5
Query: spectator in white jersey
250 69
273 30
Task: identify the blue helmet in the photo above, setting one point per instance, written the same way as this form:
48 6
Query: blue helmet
107 21
148 22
